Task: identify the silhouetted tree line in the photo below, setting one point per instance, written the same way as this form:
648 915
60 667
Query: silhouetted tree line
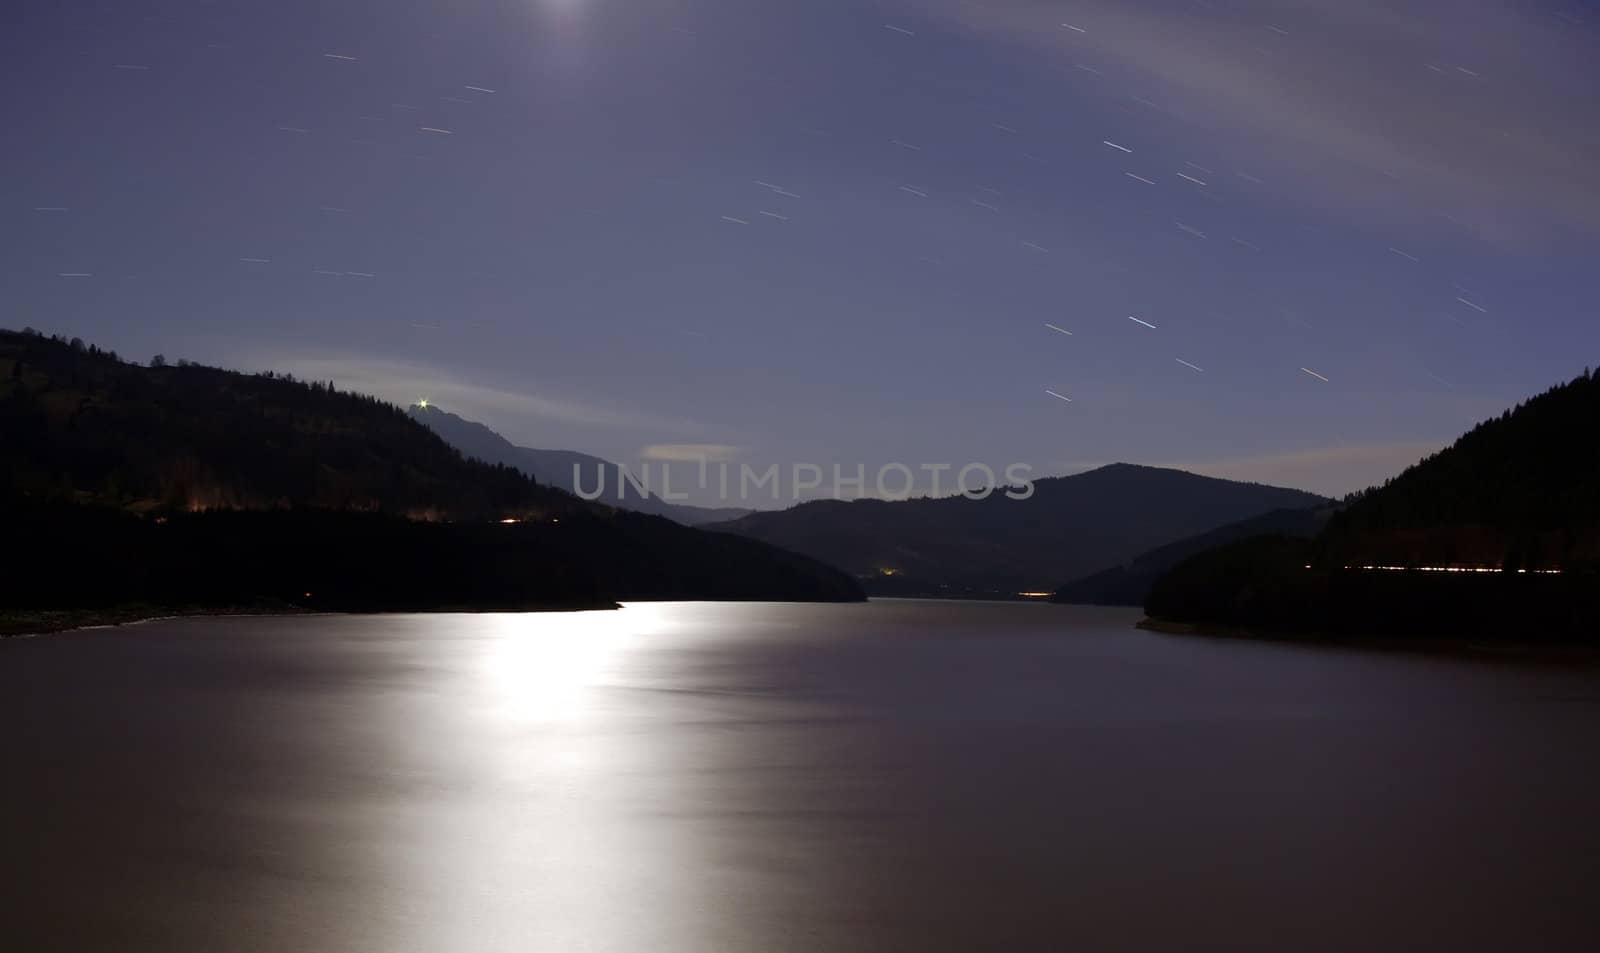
1519 493
1264 583
191 485
1521 489
80 424
93 557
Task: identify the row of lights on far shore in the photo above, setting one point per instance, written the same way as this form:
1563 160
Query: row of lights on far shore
1541 572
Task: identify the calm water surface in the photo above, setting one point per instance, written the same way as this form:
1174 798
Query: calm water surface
709 777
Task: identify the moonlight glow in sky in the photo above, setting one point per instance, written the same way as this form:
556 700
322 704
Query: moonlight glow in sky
1304 242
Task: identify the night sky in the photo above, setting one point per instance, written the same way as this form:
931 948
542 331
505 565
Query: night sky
1304 242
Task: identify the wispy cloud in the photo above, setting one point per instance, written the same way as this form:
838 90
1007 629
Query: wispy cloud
1464 108
690 452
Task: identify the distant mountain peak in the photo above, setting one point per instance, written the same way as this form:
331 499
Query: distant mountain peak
1071 526
559 468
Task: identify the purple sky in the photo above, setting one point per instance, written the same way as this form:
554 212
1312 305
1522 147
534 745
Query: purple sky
830 231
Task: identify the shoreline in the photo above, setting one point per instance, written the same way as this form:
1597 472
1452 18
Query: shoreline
1470 649
28 623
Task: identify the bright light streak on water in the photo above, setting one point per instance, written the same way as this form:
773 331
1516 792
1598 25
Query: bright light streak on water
698 778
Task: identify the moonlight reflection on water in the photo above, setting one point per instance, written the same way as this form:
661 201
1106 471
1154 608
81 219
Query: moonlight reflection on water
699 777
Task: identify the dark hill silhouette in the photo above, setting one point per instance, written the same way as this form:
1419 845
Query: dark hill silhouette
83 426
555 468
998 546
203 486
1522 488
1129 584
1519 494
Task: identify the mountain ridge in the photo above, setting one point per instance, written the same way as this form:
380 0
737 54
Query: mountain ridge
201 486
561 468
1000 547
1129 584
1497 536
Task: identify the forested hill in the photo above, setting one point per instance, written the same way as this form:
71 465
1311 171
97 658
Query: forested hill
83 426
194 486
996 547
1519 494
1523 486
1129 584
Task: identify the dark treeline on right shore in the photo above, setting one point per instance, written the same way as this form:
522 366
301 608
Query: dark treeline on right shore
1497 536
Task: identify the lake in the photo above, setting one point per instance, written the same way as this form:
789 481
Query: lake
888 776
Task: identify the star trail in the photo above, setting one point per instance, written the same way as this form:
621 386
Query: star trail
561 186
